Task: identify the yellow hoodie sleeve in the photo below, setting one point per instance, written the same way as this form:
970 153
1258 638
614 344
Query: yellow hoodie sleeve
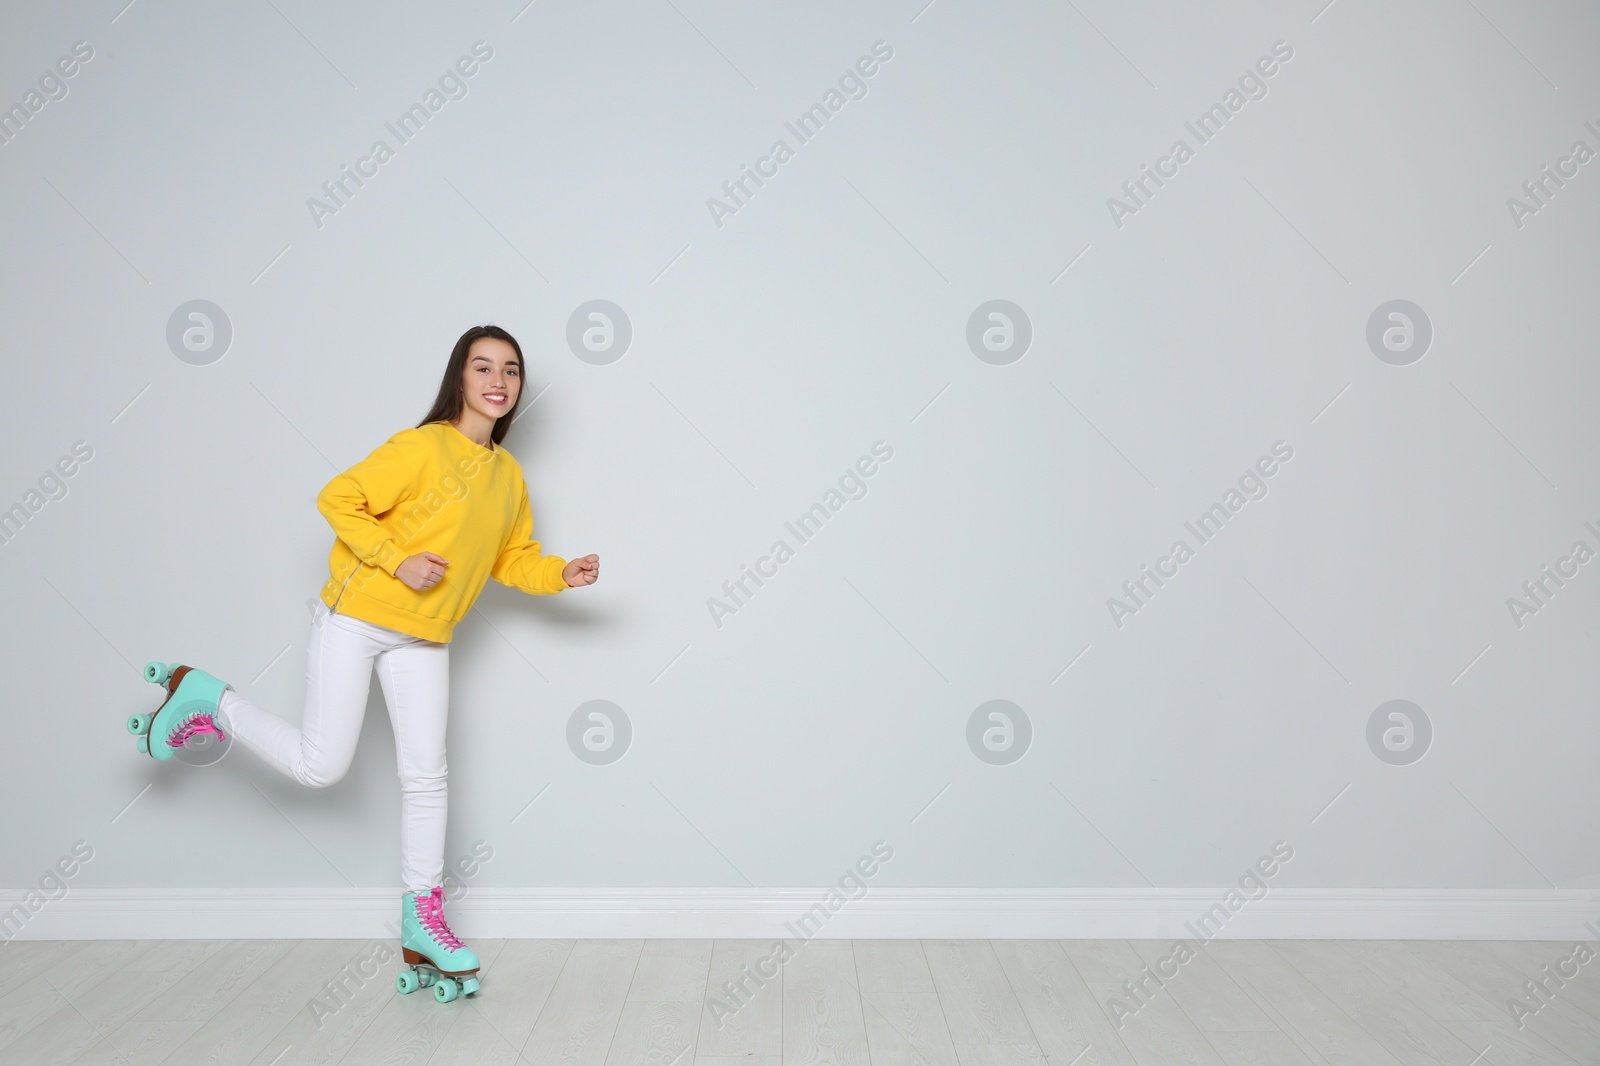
370 488
520 563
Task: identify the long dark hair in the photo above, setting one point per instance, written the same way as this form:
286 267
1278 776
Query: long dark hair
449 404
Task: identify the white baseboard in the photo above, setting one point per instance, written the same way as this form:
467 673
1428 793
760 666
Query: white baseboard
759 914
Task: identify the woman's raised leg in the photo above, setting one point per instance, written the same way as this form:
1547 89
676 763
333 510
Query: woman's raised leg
339 660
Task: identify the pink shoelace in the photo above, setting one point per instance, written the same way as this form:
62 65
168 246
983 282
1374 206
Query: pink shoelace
199 723
430 912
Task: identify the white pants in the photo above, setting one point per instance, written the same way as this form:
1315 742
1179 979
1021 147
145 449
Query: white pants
415 675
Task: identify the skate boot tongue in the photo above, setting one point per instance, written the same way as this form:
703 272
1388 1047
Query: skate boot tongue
430 913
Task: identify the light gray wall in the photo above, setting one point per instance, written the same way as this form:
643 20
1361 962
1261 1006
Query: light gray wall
1169 352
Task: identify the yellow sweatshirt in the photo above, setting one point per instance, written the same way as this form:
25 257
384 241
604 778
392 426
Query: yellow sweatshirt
430 488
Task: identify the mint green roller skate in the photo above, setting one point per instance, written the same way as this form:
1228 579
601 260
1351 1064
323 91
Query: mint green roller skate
185 725
435 955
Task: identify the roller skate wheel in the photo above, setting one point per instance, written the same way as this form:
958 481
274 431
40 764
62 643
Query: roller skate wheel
427 977
156 673
445 990
139 723
143 744
406 982
469 986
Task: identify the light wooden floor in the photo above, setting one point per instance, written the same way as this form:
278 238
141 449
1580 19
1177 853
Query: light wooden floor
877 1002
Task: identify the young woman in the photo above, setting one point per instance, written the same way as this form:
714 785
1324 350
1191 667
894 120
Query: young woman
422 524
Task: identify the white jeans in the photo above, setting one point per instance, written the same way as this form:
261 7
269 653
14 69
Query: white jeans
415 675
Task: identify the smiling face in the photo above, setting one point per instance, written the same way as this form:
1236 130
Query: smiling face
492 379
